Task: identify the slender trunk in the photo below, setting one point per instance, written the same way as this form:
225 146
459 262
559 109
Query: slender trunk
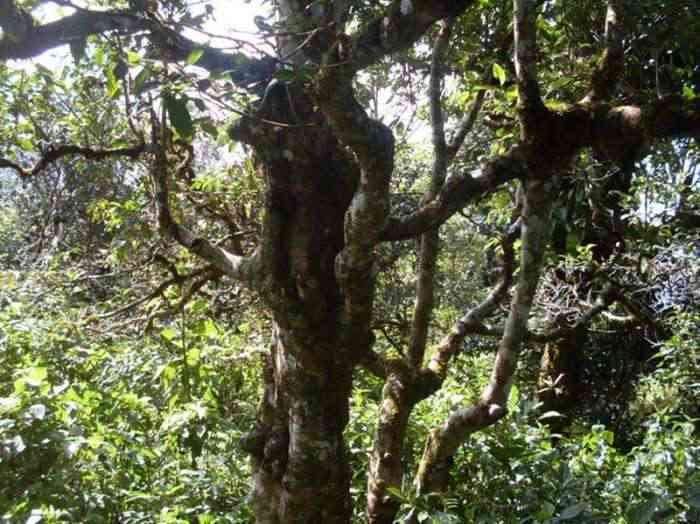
443 442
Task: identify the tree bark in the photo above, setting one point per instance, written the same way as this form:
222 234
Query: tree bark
433 472
300 465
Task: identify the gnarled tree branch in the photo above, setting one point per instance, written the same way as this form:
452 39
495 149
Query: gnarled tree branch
457 192
54 153
372 144
444 441
246 269
404 22
35 39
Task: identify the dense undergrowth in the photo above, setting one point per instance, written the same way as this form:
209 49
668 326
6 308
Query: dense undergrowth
109 427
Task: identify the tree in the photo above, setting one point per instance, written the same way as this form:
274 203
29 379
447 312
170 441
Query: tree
584 81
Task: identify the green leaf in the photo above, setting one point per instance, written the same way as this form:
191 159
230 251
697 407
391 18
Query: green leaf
168 334
194 56
112 83
36 376
546 512
100 56
688 93
643 512
179 115
499 73
192 357
572 511
133 58
141 78
209 128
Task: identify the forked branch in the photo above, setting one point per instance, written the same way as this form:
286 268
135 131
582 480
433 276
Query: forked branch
492 406
247 269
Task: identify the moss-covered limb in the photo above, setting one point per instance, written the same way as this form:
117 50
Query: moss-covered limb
372 145
611 64
530 105
492 406
401 25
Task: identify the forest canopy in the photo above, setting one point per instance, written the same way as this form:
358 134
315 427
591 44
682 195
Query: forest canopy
349 261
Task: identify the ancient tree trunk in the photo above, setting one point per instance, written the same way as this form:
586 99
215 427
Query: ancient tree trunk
300 468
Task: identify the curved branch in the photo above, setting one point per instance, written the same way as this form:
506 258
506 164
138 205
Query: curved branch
54 153
35 39
246 269
456 193
206 273
372 144
465 125
404 22
492 406
472 321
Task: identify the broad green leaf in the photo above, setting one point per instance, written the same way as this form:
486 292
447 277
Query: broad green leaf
100 56
141 78
179 115
112 83
572 511
133 58
209 128
643 512
194 56
499 73
546 512
169 333
36 376
193 356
